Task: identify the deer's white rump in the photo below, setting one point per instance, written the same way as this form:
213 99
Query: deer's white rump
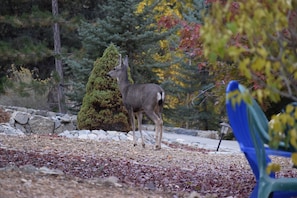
138 98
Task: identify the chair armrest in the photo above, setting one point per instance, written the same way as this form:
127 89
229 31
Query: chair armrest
281 153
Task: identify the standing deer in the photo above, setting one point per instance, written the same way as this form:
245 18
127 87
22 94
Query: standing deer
139 98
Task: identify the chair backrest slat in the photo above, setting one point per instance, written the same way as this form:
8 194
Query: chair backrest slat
238 113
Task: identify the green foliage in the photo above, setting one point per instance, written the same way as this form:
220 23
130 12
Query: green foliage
195 12
24 36
102 106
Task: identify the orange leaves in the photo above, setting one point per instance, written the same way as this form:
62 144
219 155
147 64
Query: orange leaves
190 39
168 21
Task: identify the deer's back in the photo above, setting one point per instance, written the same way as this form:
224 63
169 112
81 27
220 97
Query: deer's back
142 96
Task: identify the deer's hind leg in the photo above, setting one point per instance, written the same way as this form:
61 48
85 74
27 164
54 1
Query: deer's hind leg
139 120
158 127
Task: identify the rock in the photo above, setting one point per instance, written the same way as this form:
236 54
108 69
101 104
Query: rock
74 134
185 132
113 135
84 132
194 194
42 113
47 171
11 121
84 136
20 117
31 111
51 114
57 123
41 125
9 168
9 130
23 109
29 168
146 136
20 127
24 121
74 120
65 119
123 136
43 170
100 134
112 181
92 136
63 127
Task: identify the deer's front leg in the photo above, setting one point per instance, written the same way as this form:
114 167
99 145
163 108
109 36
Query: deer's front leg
132 121
139 120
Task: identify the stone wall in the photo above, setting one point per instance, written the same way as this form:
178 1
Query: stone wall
26 121
23 120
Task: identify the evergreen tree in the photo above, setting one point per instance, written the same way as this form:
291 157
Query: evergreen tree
190 91
25 34
196 12
136 34
187 88
102 106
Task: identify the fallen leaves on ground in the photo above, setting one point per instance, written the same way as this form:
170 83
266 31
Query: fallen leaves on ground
170 172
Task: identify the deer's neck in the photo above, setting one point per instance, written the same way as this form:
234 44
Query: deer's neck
123 83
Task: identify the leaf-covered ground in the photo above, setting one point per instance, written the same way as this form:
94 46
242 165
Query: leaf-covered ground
176 171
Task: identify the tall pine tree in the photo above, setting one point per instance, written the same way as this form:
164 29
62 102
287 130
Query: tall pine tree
186 88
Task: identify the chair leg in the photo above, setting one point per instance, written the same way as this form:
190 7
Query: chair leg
265 187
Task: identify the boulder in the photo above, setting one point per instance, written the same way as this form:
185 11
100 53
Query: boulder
64 127
20 117
41 125
9 130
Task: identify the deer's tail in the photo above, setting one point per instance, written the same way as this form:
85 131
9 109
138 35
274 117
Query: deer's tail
161 98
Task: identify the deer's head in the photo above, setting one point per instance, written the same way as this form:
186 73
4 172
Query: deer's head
120 70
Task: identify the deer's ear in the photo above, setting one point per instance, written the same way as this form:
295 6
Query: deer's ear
125 62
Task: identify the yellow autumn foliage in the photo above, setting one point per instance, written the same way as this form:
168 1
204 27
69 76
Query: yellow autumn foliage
259 38
24 88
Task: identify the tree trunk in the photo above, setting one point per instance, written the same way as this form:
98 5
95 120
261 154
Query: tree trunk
58 62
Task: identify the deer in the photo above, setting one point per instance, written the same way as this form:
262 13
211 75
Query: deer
138 99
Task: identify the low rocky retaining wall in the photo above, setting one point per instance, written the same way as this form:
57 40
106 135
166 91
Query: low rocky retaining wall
23 120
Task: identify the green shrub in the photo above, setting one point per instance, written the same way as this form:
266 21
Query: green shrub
22 89
102 106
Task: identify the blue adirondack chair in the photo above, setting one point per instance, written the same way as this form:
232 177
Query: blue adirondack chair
250 127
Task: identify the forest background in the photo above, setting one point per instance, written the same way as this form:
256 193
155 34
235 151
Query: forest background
192 48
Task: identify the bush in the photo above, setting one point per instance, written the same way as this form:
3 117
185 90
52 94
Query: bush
102 106
22 89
